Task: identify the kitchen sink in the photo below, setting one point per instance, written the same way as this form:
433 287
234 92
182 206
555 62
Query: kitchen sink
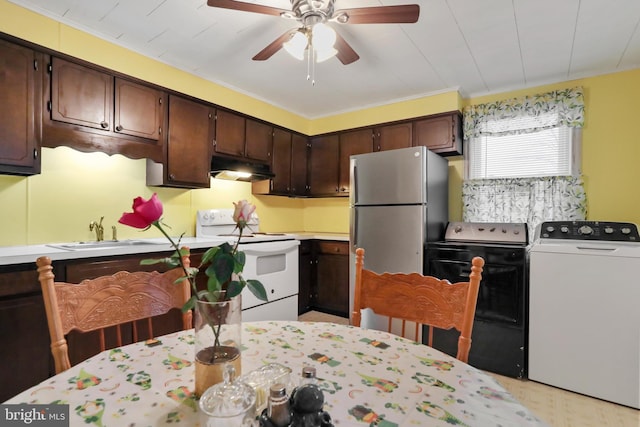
103 244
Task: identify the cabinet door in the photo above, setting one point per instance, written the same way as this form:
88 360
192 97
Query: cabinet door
305 277
259 140
440 133
139 110
392 137
351 143
19 115
188 146
323 165
81 95
299 150
332 287
281 163
230 133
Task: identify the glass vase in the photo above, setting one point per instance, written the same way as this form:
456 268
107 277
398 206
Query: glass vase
218 328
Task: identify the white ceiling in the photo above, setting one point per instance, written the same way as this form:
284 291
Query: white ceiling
477 47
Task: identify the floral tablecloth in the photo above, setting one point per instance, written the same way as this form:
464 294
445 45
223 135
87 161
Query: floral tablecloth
368 378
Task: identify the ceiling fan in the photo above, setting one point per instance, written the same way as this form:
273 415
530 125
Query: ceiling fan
309 13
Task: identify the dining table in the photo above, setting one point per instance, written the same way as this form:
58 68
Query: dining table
367 377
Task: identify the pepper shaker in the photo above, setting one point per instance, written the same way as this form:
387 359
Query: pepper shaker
278 410
308 375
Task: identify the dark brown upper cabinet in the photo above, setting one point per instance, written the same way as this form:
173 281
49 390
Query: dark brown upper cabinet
92 110
20 109
189 142
289 165
352 143
324 165
391 137
440 133
242 137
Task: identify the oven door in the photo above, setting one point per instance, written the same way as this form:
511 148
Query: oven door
275 265
503 279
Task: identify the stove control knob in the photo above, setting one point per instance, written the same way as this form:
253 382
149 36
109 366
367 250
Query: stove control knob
516 231
625 230
564 229
608 230
457 229
585 230
550 229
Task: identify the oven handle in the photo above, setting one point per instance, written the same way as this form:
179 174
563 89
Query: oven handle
269 248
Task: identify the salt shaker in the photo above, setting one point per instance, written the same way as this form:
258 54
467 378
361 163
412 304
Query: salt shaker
308 375
278 410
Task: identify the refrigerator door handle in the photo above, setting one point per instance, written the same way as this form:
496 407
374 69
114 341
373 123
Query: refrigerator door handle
354 229
354 184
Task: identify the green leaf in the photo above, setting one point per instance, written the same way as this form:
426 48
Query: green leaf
156 261
257 289
209 255
222 267
240 259
213 285
234 288
189 304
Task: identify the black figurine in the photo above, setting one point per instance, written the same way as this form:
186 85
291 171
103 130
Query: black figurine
306 407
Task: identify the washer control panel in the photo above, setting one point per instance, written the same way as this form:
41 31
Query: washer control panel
590 230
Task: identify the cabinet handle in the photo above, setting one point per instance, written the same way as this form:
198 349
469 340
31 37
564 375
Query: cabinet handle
104 125
118 128
35 153
160 101
159 131
172 177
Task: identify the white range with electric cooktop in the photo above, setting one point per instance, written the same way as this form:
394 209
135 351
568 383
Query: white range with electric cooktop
584 309
271 258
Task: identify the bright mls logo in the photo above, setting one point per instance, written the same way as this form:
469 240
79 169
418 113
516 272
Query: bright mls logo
34 415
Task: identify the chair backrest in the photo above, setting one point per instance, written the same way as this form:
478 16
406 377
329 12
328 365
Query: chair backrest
424 300
110 301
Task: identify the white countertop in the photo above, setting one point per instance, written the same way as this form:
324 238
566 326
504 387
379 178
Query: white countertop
29 253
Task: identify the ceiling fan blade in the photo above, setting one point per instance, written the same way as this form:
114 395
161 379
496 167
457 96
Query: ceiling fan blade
246 7
274 46
402 14
345 54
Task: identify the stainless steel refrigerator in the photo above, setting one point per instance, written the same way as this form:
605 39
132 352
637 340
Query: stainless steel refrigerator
398 202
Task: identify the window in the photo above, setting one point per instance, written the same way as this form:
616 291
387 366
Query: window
522 159
547 152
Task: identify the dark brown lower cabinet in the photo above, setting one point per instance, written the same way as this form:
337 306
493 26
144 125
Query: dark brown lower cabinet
25 352
305 276
332 277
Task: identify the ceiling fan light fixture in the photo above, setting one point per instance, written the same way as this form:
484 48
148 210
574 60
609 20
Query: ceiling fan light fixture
323 37
323 55
297 45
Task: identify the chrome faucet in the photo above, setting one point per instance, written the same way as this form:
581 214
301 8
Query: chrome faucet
99 229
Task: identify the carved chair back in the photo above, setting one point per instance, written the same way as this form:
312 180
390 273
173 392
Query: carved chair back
424 300
107 303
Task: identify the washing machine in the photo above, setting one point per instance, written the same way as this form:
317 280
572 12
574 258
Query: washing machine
584 309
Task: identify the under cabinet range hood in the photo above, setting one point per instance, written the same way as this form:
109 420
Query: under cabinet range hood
239 170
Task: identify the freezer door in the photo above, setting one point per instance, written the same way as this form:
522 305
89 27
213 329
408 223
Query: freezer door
389 177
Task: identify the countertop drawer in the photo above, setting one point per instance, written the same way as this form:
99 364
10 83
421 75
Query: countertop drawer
337 248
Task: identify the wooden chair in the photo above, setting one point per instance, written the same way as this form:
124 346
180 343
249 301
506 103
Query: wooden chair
109 302
424 300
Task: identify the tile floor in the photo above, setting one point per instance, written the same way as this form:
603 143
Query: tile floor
559 408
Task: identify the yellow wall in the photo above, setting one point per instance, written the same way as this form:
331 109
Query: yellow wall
76 188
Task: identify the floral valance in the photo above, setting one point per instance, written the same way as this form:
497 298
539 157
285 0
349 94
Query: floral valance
526 114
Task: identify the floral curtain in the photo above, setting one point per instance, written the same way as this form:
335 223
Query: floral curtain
524 115
530 200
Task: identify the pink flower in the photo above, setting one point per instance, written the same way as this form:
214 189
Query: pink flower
145 212
242 213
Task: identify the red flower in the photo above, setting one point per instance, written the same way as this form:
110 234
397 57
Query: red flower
145 212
